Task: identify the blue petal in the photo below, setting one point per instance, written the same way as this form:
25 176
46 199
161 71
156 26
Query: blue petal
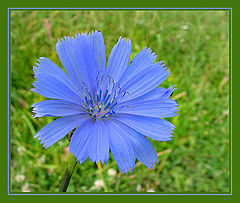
82 57
56 108
121 148
99 150
80 141
57 129
143 149
67 56
141 61
99 49
147 80
47 67
118 59
154 108
154 128
51 87
156 93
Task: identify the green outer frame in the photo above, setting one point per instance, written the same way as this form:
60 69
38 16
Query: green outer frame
108 4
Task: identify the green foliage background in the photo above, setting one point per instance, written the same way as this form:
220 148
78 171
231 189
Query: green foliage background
195 47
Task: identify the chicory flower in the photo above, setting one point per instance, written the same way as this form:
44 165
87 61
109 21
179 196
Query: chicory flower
112 105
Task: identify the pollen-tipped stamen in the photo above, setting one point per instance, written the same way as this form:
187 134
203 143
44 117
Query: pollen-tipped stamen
108 94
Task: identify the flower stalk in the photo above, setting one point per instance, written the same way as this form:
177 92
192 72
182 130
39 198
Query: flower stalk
72 163
99 165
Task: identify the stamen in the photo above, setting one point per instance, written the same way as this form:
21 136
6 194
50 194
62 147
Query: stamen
108 94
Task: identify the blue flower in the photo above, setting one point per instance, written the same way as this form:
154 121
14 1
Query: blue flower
113 105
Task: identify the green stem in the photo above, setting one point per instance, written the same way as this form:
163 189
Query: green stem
99 165
68 173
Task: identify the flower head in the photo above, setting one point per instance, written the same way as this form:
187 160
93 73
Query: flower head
113 106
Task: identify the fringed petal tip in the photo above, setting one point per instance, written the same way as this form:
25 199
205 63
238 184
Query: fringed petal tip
97 161
65 38
149 51
123 39
35 70
46 146
33 89
34 115
62 40
126 171
35 136
80 160
95 32
172 87
40 59
152 166
36 112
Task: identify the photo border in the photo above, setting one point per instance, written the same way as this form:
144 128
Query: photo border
234 14
120 193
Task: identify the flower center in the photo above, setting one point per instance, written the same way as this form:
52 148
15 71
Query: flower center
103 100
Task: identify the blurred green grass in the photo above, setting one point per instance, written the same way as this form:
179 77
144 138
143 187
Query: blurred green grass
193 44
